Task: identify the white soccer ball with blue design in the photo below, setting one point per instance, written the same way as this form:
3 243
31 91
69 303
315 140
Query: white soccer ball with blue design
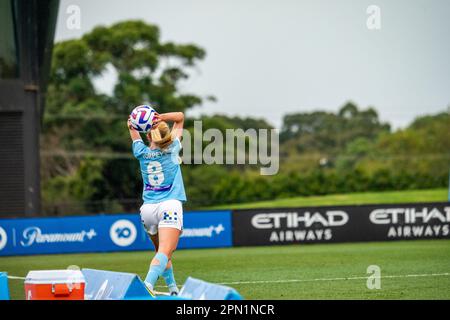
142 118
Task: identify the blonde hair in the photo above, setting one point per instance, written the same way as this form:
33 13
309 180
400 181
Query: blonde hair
161 135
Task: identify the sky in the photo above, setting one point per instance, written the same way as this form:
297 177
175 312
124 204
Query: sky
267 58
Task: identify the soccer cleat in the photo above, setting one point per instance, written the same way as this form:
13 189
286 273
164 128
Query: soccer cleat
173 290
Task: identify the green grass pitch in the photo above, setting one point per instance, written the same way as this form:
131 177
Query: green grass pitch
385 197
409 269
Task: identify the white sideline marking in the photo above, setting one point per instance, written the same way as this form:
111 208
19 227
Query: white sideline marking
16 278
159 293
332 279
446 274
338 279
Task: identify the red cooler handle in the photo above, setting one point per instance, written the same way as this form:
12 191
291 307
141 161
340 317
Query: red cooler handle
61 289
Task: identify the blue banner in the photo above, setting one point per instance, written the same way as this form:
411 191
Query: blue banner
101 233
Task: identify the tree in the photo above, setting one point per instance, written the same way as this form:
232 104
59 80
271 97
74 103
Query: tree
79 120
330 132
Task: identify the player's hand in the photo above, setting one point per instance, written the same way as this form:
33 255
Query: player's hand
156 119
130 127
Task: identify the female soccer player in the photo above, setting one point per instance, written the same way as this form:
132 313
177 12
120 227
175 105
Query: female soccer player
163 194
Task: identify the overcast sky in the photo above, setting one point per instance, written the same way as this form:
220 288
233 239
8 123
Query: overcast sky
267 58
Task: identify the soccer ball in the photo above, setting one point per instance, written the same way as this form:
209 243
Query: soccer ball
142 118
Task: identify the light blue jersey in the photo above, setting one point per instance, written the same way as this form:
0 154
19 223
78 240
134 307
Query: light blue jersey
161 172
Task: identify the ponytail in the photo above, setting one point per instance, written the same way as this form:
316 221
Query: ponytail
161 135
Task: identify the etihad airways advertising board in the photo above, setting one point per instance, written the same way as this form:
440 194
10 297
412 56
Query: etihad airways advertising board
341 224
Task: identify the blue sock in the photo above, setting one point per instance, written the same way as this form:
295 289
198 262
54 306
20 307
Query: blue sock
156 270
170 279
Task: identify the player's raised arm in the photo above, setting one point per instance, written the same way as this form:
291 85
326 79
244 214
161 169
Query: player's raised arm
176 117
134 134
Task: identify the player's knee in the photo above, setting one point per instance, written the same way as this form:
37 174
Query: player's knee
166 250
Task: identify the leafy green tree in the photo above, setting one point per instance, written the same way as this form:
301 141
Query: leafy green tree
79 120
329 132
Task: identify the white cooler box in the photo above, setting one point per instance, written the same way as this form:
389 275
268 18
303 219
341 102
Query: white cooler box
54 285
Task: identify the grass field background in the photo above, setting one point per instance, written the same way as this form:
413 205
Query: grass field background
387 197
274 272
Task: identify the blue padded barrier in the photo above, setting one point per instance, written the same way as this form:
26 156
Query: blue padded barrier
4 289
110 285
196 289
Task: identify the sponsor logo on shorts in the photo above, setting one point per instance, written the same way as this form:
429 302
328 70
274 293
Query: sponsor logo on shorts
170 216
123 233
